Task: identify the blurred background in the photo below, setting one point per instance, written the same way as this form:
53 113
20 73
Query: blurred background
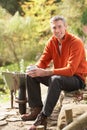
25 29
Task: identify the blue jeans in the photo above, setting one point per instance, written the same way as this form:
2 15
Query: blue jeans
55 85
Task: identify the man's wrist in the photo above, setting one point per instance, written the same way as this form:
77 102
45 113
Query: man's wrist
49 72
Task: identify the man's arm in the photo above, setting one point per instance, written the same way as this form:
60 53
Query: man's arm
39 72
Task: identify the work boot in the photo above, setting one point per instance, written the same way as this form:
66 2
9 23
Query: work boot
32 115
40 120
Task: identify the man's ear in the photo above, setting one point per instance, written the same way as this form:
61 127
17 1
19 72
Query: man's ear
84 29
66 25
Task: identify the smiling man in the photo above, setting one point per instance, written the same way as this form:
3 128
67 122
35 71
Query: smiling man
68 73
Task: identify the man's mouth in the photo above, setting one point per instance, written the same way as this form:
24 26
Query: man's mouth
58 35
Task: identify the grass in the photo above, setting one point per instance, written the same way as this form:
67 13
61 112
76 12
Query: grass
4 97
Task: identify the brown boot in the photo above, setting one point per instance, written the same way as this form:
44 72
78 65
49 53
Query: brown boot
40 120
32 115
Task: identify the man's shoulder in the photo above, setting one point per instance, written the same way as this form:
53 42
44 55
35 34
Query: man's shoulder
53 39
75 38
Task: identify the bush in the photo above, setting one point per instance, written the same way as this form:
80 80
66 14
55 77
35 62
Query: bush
84 17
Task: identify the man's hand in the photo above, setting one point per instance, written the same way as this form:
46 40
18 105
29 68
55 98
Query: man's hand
39 72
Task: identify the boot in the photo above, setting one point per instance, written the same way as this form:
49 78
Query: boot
32 115
40 120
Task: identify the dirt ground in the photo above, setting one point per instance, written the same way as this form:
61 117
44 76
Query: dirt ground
10 119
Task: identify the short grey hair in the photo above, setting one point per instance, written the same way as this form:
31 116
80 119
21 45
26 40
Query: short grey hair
57 18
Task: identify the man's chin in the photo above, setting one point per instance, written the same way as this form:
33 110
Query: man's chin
58 37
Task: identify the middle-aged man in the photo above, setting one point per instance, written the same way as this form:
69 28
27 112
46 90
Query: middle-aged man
69 72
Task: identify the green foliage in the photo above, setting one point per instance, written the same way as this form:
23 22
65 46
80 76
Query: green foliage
25 37
5 97
12 6
18 39
3 13
44 9
22 68
84 17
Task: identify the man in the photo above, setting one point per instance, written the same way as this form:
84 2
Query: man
69 72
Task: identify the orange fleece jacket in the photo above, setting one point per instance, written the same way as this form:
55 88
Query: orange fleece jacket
71 61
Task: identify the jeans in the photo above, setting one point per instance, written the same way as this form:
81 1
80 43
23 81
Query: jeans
55 85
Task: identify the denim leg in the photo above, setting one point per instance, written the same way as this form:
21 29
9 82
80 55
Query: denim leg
34 90
56 85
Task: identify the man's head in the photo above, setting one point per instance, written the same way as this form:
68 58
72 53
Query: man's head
58 26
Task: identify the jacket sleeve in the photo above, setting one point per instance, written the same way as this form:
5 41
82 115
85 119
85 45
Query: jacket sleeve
45 58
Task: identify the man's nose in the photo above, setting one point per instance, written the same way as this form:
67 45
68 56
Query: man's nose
57 30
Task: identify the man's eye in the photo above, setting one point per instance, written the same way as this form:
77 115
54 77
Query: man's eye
54 27
59 26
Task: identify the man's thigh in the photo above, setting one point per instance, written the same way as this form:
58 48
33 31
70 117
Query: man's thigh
69 83
44 80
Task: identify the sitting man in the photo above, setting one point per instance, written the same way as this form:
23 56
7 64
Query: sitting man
69 72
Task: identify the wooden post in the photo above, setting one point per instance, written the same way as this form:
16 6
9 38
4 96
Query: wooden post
40 127
11 91
68 116
79 124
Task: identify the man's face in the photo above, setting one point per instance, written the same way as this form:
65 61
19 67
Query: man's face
58 28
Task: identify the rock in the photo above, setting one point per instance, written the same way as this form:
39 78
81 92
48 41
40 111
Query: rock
2 117
13 119
2 123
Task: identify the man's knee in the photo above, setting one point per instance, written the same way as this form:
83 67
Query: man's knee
55 78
